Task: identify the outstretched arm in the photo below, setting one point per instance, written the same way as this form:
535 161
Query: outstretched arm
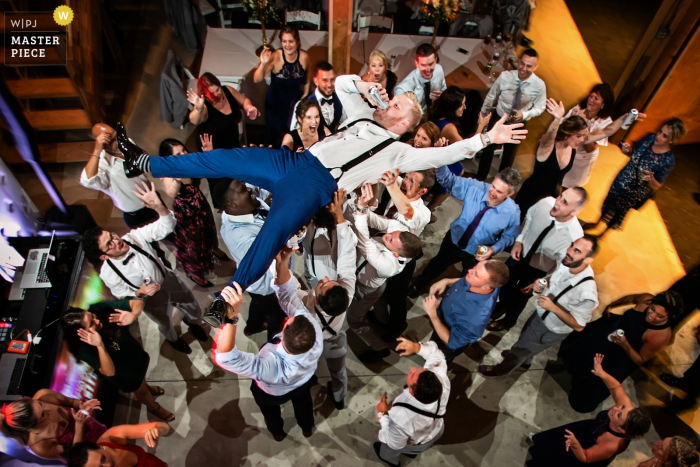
618 394
403 205
120 434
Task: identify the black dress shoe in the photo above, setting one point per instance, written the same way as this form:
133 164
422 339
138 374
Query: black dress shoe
372 356
197 331
181 346
215 314
414 290
377 449
307 434
130 151
672 380
340 405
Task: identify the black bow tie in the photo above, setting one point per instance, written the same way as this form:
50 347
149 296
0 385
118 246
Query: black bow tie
128 258
326 101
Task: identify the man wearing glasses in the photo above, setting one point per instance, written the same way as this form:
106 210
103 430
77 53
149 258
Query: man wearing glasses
130 268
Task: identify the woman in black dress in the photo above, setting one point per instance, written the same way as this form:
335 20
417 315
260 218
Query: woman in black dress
647 331
554 158
308 131
217 112
592 442
97 338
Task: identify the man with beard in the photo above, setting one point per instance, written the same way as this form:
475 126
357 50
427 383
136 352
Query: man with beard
427 81
565 305
324 95
550 227
304 182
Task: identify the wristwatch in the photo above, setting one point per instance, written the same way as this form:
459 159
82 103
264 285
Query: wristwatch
485 139
364 210
233 321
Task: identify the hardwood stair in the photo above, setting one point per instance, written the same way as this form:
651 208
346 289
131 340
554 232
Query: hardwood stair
41 88
52 120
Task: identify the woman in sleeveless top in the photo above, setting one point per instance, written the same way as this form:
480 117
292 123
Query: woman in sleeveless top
554 158
647 331
217 112
195 233
378 72
49 420
100 337
113 447
288 83
595 109
592 442
308 131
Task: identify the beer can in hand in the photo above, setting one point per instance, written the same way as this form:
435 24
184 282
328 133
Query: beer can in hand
618 333
542 283
377 97
629 119
482 250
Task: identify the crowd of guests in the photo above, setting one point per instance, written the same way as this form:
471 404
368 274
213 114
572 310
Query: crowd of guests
360 254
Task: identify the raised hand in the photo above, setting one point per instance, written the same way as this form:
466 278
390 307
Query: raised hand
207 144
90 337
442 142
598 365
502 133
148 196
556 109
484 119
389 177
265 56
483 257
406 347
571 441
151 437
367 196
336 206
383 406
430 305
90 405
122 317
196 100
80 416
233 296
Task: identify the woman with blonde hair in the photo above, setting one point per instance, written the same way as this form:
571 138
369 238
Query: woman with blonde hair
378 71
673 452
651 162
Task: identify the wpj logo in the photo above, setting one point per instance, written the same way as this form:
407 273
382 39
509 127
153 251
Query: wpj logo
63 15
37 37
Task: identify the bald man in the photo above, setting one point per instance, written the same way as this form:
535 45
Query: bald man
104 171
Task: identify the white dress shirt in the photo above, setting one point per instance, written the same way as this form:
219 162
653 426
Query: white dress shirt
415 83
138 267
340 262
553 248
110 180
421 218
579 301
401 426
276 371
344 146
381 263
532 101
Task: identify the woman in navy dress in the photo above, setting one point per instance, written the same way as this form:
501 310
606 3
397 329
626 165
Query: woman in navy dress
287 67
592 442
651 161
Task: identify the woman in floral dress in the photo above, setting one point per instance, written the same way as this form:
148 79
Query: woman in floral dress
195 233
651 161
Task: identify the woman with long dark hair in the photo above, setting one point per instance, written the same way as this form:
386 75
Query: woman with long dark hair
651 162
100 337
592 442
195 233
287 67
596 109
446 111
309 130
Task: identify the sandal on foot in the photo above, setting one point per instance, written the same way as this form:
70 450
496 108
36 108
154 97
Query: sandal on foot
159 391
168 419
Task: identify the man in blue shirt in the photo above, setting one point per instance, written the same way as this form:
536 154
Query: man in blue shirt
462 315
242 219
489 218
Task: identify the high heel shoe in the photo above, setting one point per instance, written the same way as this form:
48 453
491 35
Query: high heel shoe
130 151
206 284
